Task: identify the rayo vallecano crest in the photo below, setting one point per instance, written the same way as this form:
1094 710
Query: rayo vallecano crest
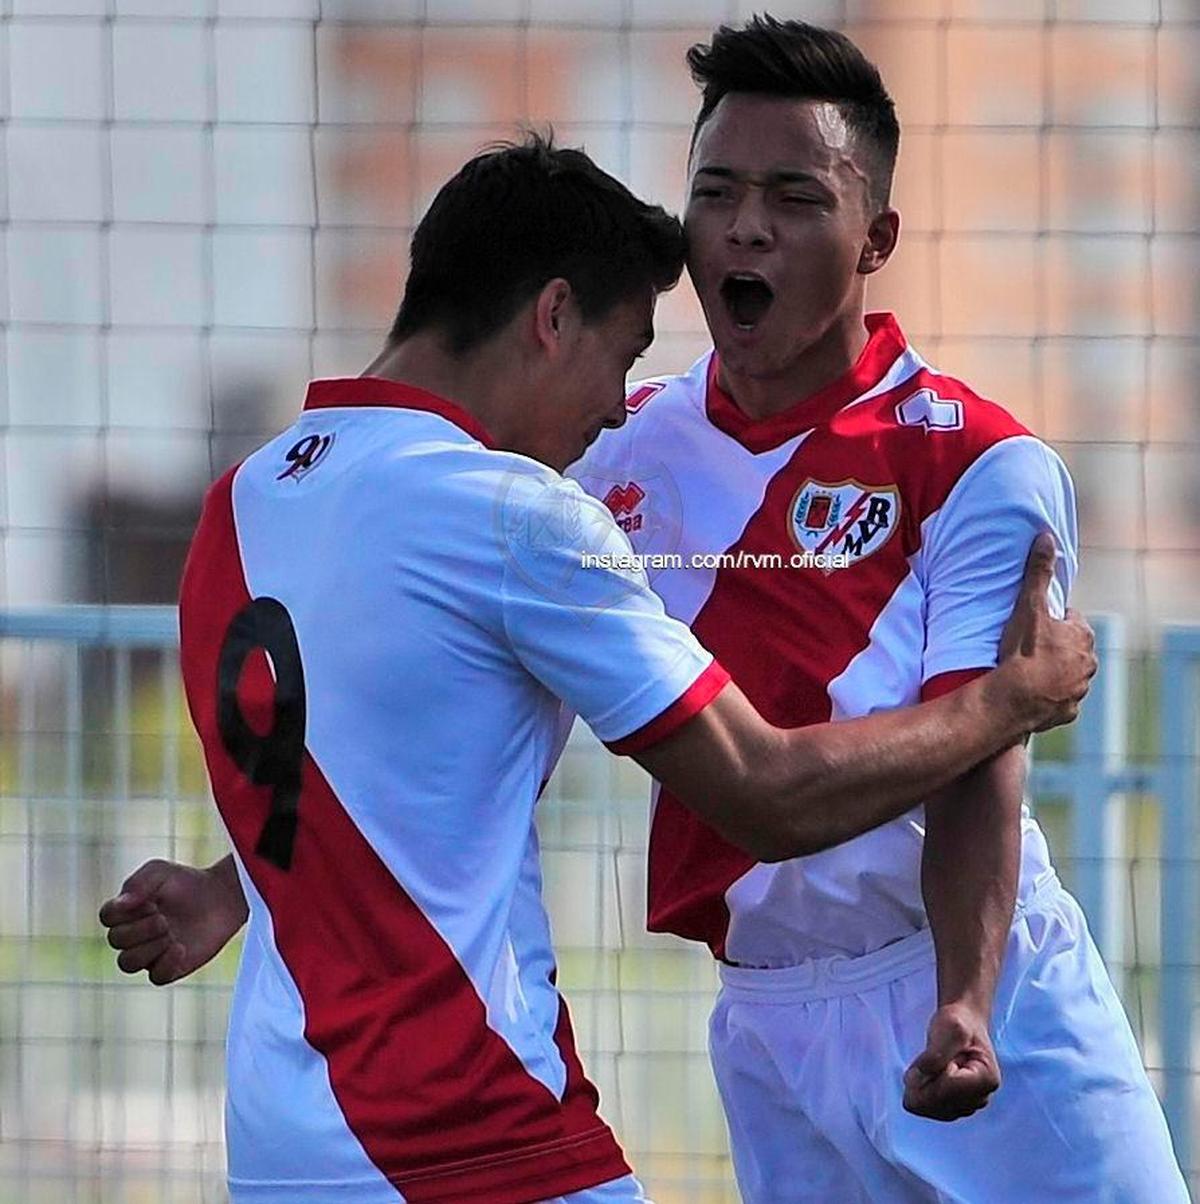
849 518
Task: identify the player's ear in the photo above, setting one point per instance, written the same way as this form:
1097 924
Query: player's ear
553 313
882 235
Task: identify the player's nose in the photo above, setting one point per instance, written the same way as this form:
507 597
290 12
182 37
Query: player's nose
749 224
617 415
616 419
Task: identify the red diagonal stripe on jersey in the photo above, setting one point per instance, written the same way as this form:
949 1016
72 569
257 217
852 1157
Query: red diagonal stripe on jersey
785 635
851 518
439 1101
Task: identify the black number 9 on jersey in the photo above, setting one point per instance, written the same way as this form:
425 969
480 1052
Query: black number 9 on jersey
277 758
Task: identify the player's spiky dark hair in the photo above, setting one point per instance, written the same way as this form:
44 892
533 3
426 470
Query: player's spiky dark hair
517 216
802 62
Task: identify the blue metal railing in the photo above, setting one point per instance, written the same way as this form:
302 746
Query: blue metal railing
1179 795
149 626
1094 781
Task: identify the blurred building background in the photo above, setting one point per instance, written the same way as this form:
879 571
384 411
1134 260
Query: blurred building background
205 203
205 206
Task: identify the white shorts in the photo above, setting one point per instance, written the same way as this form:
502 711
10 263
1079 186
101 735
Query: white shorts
810 1060
616 1191
626 1190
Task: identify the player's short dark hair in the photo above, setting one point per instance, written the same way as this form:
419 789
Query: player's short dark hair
802 62
517 216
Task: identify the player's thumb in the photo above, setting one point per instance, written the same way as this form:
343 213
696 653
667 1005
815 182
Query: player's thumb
142 886
942 1044
1039 572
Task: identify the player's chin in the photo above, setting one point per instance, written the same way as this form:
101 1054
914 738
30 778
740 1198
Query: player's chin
588 439
748 352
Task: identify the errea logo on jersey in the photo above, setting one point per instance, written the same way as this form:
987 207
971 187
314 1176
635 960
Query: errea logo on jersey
846 518
623 500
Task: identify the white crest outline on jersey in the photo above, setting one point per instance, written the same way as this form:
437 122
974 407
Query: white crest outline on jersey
845 509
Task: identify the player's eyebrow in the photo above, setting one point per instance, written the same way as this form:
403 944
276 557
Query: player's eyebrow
783 175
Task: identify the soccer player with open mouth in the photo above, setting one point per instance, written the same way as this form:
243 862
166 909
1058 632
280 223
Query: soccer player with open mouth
379 714
934 967
747 298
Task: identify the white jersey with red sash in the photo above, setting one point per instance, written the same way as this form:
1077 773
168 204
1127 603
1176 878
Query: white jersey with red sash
928 497
379 616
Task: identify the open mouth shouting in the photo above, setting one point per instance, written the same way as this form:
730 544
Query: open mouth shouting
747 298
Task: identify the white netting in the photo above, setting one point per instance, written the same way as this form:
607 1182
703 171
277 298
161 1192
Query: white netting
203 205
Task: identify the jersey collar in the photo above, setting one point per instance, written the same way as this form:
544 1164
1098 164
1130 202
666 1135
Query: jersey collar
885 345
376 391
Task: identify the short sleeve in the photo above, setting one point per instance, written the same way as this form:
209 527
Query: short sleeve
975 547
581 617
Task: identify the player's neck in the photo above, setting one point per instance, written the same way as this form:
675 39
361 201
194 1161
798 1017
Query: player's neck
818 365
424 362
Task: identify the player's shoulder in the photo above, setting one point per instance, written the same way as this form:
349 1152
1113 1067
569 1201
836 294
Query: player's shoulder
532 485
362 444
937 427
552 510
667 392
381 474
934 408
942 438
652 405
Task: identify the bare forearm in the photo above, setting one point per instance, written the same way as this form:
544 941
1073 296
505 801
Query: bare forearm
969 877
850 777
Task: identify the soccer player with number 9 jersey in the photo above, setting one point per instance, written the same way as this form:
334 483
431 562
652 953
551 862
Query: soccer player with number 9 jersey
383 612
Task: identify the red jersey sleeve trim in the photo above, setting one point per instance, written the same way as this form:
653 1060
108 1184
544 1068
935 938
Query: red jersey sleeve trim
376 391
690 703
947 683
